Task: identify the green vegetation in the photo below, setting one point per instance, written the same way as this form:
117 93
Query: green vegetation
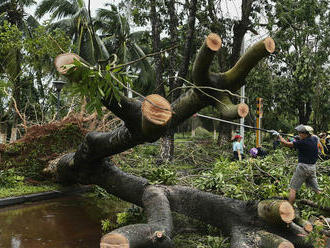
22 162
26 189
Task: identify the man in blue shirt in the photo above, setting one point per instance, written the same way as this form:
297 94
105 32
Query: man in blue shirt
307 146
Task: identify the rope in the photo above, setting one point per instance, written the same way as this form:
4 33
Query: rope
238 124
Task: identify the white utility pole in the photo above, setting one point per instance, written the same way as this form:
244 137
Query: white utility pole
241 121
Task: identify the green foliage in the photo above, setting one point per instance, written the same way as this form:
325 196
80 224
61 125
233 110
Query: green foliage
128 46
130 216
8 178
10 38
257 179
160 175
107 225
21 53
316 237
214 242
20 188
74 19
30 157
210 181
101 193
199 241
301 76
44 45
97 85
203 133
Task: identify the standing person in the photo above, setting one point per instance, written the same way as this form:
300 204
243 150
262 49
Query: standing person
238 147
307 147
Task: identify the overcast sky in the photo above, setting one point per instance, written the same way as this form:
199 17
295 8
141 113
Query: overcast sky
95 4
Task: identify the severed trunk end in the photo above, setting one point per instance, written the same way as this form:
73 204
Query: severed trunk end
269 44
213 41
242 110
63 60
114 240
156 112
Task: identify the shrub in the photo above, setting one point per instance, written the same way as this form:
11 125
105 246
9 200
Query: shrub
8 178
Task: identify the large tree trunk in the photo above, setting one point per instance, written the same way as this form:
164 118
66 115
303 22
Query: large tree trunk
304 112
3 134
250 224
167 141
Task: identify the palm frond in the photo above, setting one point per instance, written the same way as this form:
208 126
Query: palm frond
66 25
28 3
87 49
32 22
65 9
58 8
139 35
103 52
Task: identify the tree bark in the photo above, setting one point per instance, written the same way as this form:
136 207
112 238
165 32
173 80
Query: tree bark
3 136
304 112
240 29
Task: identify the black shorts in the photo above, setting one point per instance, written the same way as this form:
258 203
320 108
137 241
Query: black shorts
236 155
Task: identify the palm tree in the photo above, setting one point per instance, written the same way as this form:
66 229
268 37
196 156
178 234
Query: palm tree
13 11
74 18
117 37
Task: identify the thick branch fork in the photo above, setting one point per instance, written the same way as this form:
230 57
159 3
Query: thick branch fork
140 128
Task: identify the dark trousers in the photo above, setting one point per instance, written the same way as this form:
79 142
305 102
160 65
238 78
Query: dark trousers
236 155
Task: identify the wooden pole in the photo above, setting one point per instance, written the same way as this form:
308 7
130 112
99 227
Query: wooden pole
258 142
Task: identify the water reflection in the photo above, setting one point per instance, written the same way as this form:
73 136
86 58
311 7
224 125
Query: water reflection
62 223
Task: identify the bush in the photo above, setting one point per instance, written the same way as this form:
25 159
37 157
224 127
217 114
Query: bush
160 175
131 216
8 178
203 133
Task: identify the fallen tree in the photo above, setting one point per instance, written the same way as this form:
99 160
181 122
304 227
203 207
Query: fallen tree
267 223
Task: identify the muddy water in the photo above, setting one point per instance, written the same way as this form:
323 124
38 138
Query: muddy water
70 222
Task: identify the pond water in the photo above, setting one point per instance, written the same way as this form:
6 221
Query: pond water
68 222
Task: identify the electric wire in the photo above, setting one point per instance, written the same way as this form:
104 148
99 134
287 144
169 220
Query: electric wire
243 125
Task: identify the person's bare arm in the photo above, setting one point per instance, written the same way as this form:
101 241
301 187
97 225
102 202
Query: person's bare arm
284 142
